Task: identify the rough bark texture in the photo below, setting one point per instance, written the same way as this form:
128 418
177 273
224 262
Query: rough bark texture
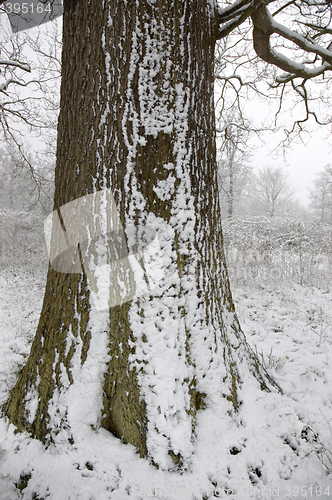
137 117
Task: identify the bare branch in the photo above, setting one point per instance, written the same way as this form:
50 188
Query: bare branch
16 64
300 41
322 30
230 10
227 78
5 85
238 18
283 7
264 27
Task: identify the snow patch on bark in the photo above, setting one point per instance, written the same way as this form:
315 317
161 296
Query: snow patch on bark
32 401
81 403
175 344
158 319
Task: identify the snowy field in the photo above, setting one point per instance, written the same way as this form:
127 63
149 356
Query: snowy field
290 326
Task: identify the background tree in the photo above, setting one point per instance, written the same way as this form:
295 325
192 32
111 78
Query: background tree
29 105
137 132
30 78
321 196
234 171
26 181
271 193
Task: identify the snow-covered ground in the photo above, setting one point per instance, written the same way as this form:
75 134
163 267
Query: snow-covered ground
290 326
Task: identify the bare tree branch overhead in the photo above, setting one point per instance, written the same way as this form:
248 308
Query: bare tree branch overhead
294 36
257 39
264 26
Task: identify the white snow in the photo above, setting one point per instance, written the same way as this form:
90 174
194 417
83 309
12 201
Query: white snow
294 321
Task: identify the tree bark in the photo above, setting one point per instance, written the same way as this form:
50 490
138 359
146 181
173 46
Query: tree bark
137 121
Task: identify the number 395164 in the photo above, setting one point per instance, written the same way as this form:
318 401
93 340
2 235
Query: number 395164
28 8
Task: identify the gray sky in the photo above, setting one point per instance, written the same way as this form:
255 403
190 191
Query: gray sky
302 161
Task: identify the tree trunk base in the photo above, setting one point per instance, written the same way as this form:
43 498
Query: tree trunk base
264 448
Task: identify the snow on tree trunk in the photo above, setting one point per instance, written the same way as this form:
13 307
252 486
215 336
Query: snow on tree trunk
137 121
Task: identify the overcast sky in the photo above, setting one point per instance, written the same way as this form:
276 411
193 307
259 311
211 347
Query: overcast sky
301 161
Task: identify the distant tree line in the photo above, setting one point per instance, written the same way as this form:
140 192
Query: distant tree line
267 192
321 196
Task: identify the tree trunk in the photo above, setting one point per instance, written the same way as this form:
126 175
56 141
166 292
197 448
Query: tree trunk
136 126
